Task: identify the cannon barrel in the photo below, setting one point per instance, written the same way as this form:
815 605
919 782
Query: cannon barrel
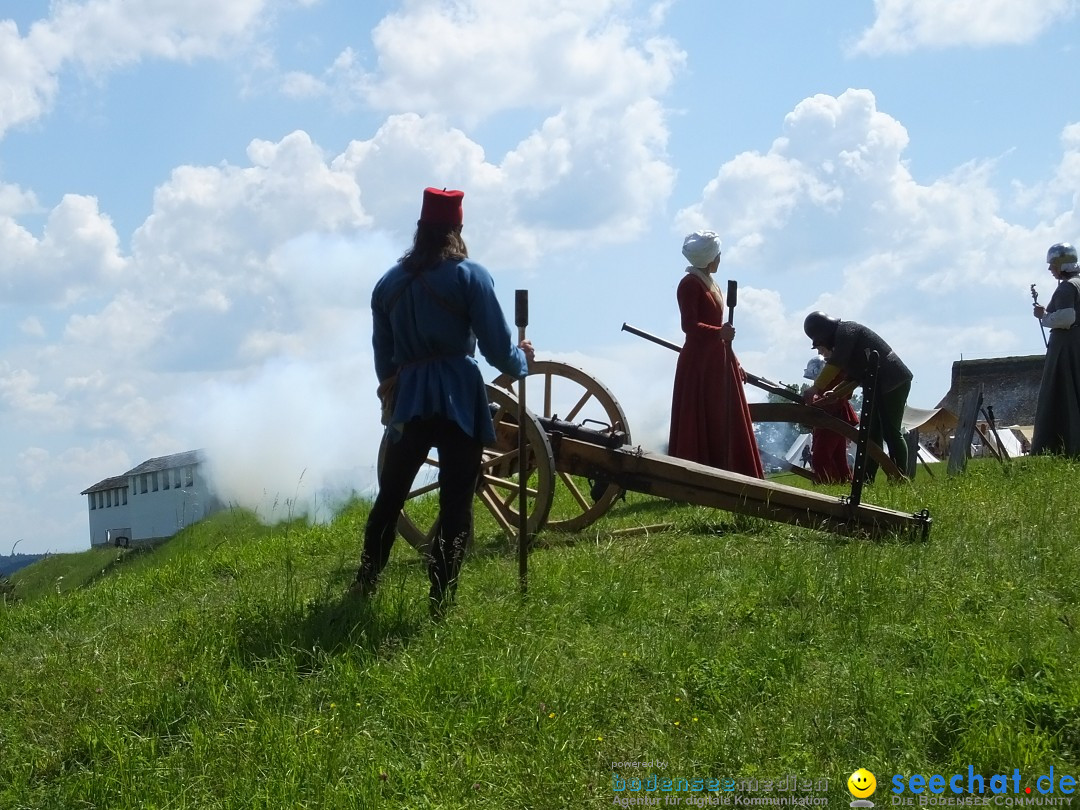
610 437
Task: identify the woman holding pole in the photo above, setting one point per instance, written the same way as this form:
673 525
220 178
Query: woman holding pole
1057 416
710 420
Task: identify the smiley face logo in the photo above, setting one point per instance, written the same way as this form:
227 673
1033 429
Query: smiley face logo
861 783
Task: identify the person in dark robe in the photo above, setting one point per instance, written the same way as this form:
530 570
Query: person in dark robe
710 419
847 345
828 458
1057 415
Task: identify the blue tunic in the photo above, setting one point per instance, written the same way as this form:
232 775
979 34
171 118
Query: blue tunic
427 331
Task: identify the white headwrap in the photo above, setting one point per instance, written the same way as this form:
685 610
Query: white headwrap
701 247
814 367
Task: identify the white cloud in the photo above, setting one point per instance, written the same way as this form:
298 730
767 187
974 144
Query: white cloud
296 84
78 250
20 394
584 174
511 54
32 327
213 228
905 25
101 35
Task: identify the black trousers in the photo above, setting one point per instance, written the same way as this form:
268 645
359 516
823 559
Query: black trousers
459 468
887 428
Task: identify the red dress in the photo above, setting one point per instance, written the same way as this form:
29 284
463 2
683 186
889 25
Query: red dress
828 455
710 420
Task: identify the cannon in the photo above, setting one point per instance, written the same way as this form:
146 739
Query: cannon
580 459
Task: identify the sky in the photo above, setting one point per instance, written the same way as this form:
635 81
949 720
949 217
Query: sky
196 198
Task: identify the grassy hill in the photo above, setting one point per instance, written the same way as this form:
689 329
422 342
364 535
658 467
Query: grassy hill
223 669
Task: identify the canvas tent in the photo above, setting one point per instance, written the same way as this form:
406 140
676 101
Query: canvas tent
933 423
794 453
1009 440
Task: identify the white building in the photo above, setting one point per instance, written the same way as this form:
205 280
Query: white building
150 502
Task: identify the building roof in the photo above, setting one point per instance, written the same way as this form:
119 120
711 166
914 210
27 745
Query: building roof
168 462
185 459
1010 385
116 482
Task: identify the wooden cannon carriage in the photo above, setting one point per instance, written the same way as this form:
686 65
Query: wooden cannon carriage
580 459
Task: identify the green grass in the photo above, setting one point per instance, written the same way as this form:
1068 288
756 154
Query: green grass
223 670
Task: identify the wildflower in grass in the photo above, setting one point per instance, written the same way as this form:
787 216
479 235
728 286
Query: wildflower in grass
677 722
552 715
599 737
695 719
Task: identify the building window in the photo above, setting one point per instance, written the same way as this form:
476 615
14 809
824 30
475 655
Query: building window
176 478
190 473
123 497
108 498
165 479
154 481
93 505
144 483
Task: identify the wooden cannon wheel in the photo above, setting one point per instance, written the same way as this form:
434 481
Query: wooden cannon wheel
815 417
559 390
497 488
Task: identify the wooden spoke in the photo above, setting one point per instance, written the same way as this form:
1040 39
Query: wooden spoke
571 395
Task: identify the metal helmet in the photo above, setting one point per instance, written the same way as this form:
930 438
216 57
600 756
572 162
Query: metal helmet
820 328
1061 253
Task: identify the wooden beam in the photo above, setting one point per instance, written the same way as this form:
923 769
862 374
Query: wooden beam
668 477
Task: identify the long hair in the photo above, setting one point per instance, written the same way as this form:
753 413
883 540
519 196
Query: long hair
433 244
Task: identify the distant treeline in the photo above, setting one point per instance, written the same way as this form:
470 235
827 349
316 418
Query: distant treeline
11 564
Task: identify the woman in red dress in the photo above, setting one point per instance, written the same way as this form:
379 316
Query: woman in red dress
710 420
828 456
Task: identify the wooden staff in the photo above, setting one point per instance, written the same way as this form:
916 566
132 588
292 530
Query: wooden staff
732 298
759 382
521 319
1035 298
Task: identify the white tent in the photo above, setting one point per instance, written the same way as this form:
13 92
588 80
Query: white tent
1008 440
926 457
794 453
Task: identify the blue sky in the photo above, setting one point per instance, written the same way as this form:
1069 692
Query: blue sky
196 198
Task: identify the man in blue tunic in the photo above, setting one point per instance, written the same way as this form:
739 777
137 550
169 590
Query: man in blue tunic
431 311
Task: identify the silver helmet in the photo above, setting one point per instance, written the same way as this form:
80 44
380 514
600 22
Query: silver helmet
1061 253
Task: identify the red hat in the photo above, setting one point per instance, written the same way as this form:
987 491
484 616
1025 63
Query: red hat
441 207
